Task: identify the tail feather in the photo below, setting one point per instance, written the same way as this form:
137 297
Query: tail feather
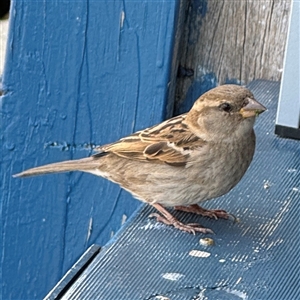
65 166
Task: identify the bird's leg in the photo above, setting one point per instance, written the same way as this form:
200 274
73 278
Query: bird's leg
168 219
211 213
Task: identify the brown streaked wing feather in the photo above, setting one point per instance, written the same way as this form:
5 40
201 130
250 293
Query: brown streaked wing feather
169 142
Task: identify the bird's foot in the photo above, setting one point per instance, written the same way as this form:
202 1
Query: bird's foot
211 213
168 219
190 228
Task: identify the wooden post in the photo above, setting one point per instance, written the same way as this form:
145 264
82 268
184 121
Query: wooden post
231 42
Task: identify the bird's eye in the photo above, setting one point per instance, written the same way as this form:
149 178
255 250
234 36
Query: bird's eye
225 107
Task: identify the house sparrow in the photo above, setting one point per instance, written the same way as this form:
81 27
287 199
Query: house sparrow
180 162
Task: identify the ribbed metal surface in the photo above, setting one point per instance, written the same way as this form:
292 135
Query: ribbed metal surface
257 258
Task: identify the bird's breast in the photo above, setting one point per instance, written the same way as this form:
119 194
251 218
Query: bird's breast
225 165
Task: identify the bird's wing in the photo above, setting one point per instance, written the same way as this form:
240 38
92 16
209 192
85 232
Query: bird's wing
169 142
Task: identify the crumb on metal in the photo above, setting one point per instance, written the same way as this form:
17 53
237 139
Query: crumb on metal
207 242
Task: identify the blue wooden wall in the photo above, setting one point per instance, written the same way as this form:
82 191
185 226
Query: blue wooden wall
77 74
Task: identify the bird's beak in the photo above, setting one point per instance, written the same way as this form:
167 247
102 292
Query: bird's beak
252 109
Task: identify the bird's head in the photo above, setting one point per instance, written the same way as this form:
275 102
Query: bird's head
224 112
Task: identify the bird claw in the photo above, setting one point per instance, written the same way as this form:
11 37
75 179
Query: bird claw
211 213
190 228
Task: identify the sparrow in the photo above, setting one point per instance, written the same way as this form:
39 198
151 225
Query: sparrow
183 161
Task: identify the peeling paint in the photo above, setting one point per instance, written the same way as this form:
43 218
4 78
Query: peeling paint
90 229
122 18
124 218
198 253
68 146
240 294
160 297
220 293
172 276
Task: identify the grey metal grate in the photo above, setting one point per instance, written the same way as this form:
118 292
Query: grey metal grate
257 258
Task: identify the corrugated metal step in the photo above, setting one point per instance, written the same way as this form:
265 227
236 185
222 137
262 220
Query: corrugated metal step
257 258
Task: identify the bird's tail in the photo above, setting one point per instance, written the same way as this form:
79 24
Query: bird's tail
83 164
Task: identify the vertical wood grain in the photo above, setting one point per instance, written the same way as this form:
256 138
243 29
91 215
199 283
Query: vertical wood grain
232 41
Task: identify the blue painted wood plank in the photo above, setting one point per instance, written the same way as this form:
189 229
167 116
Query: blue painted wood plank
77 74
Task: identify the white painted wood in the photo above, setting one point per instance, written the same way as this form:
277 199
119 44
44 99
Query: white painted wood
288 113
